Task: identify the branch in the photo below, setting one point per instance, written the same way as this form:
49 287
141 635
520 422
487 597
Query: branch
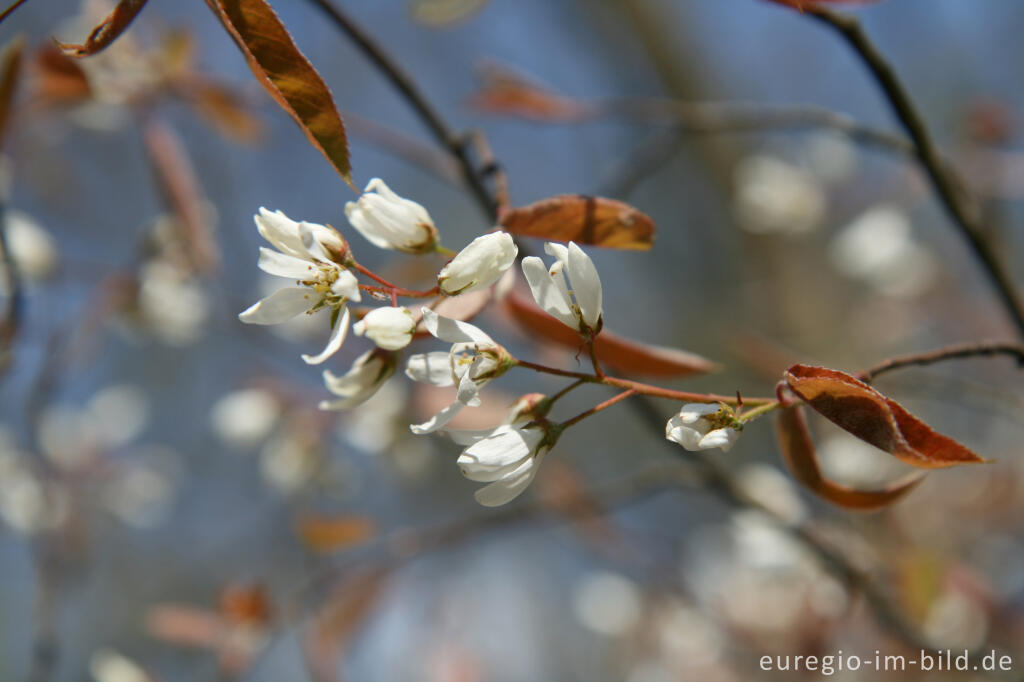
966 350
960 206
444 135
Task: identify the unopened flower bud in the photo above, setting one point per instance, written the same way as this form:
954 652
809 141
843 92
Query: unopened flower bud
479 265
389 221
389 328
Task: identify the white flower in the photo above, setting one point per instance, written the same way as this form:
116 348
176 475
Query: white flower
311 255
389 328
700 426
33 250
390 222
578 308
479 265
474 359
369 371
507 458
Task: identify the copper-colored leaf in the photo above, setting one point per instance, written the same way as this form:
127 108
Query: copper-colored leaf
245 604
58 78
107 31
287 75
584 220
875 419
507 93
801 457
177 182
616 352
10 73
331 533
223 109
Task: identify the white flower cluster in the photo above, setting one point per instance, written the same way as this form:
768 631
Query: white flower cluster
320 263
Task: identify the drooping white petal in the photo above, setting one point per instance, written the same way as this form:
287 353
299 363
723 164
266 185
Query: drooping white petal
678 431
346 286
492 457
361 382
478 265
468 386
430 368
439 420
334 343
553 299
282 265
281 231
509 488
467 436
690 413
454 331
280 306
586 285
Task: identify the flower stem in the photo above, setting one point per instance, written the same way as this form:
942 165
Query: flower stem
759 411
598 408
444 251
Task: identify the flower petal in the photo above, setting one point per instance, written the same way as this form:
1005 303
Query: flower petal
586 285
509 488
454 331
281 231
430 368
439 420
346 286
719 438
334 343
282 265
554 300
677 431
280 306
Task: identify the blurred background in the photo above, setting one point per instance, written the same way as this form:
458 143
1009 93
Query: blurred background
175 507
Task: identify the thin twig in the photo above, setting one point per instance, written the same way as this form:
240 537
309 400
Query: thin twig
447 138
952 192
10 10
966 350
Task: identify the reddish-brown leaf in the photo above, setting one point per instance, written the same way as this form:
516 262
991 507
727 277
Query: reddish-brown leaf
875 419
616 352
287 75
177 182
245 604
800 456
223 108
584 220
506 93
107 31
58 78
10 74
332 533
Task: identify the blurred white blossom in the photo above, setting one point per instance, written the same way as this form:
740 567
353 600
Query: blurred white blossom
607 603
775 197
245 417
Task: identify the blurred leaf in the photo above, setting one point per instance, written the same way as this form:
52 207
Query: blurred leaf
442 13
875 419
584 220
507 93
623 355
331 533
177 182
185 625
800 456
107 31
287 75
245 605
803 4
58 77
223 109
10 74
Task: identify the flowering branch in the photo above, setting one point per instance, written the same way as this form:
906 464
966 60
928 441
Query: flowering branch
598 408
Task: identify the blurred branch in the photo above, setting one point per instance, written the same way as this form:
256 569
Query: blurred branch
445 136
951 191
405 147
15 296
967 350
10 10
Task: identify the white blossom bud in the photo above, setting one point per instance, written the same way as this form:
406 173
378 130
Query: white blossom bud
479 265
368 373
700 426
389 328
389 221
